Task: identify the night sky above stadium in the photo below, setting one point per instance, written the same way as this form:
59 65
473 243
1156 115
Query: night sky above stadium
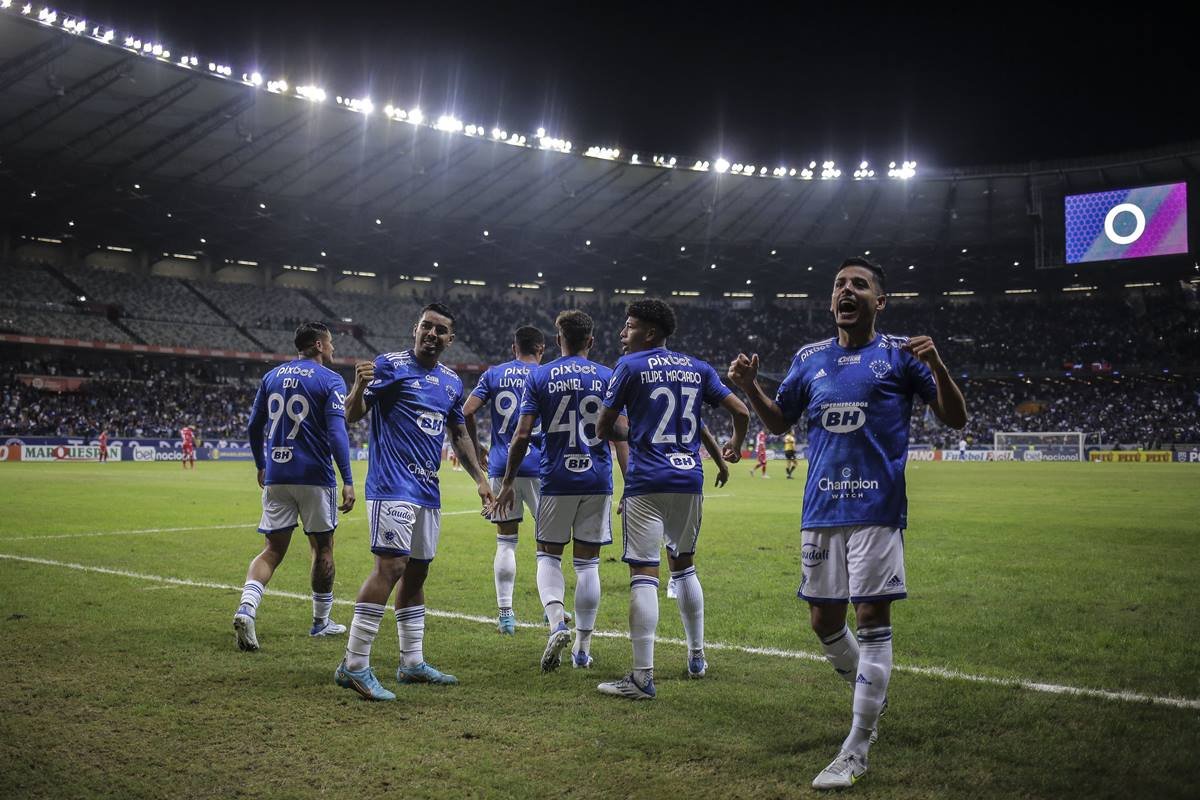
782 89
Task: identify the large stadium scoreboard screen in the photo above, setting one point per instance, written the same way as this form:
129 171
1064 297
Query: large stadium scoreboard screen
1127 223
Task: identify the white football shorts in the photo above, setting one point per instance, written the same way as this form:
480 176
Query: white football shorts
527 490
586 517
284 503
858 563
651 520
399 528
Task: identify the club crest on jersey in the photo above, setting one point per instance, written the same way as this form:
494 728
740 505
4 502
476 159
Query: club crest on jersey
281 455
578 463
843 418
432 423
880 368
682 461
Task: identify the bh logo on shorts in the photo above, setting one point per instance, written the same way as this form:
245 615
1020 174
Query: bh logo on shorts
432 423
281 455
682 461
843 418
578 463
813 555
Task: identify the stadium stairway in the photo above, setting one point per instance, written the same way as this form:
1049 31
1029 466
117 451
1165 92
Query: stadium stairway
79 291
216 308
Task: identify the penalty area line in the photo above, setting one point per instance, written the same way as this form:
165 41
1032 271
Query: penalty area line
929 672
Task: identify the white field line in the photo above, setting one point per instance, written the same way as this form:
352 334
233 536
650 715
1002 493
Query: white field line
930 672
175 530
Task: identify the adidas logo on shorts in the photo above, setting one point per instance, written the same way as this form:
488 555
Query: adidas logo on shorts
894 583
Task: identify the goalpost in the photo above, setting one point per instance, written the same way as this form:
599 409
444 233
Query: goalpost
1040 445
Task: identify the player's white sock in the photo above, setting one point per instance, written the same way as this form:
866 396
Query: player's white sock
410 625
643 620
505 568
587 601
251 594
322 603
363 631
841 650
691 606
551 587
870 687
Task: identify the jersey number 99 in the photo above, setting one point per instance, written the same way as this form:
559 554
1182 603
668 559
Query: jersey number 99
296 408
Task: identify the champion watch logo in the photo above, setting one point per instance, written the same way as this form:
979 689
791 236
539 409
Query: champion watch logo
821 373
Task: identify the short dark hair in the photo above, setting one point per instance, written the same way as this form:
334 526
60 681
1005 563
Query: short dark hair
307 335
575 326
440 308
528 339
874 269
654 312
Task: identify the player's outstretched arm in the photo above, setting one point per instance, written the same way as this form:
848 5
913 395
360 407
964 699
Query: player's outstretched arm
950 406
743 372
714 452
741 421
464 446
610 426
356 404
470 409
517 449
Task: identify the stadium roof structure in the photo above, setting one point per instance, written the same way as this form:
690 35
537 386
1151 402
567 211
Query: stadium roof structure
108 143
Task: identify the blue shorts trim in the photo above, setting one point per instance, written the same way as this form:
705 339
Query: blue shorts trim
288 529
420 560
641 563
820 601
574 538
390 551
320 533
878 598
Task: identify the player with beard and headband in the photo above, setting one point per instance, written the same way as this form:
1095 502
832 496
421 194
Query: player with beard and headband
660 392
854 393
501 388
412 400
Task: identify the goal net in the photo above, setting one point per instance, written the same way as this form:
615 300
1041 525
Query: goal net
1041 445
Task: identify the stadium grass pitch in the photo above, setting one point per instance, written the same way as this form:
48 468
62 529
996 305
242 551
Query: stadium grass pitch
123 679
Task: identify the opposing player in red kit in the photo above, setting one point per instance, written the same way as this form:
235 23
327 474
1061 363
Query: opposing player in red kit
189 446
104 445
760 453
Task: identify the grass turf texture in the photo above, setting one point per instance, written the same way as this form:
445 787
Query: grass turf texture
1075 574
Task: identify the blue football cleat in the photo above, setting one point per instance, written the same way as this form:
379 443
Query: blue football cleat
506 623
697 665
362 681
327 628
581 660
424 673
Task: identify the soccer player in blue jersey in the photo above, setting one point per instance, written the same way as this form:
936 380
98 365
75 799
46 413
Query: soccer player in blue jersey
300 414
413 400
501 387
575 466
660 392
854 393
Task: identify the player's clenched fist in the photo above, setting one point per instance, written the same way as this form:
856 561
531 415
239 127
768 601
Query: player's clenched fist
923 348
743 370
364 372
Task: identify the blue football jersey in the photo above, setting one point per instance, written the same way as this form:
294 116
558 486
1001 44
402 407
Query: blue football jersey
295 411
566 397
856 405
500 388
660 391
410 407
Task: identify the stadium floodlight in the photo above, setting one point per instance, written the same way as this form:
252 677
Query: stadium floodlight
773 252
747 281
435 264
25 9
253 78
313 93
964 249
471 129
683 248
277 87
587 243
1016 263
263 206
485 233
322 254
33 193
712 266
539 274
416 116
203 240
448 123
378 221
912 266
633 159
541 133
5 3
47 16
721 165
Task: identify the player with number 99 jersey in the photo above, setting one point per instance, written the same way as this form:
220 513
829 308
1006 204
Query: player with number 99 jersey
566 397
501 387
298 418
661 391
